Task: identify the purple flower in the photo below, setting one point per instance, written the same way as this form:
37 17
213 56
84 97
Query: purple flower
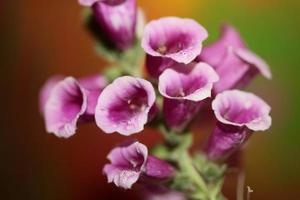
239 114
116 19
235 64
170 40
183 88
156 168
130 161
124 105
68 102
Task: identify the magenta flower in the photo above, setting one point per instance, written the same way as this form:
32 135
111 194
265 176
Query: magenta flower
235 64
124 105
170 40
183 88
130 161
69 102
116 19
239 114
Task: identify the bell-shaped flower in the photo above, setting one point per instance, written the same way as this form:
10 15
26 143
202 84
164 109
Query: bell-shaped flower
68 102
171 39
124 105
130 161
239 114
183 88
235 64
116 20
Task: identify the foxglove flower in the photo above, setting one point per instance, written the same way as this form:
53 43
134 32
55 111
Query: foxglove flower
170 40
69 102
235 64
116 19
183 88
124 105
239 114
131 161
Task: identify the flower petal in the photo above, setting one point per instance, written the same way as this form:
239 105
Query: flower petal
213 53
117 19
190 82
157 168
255 61
232 71
176 38
239 114
93 85
124 105
178 113
183 87
46 90
67 102
240 108
88 2
127 163
224 140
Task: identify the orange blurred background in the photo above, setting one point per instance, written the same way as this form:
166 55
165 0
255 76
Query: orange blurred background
40 38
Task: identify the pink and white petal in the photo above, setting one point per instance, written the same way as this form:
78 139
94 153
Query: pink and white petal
67 102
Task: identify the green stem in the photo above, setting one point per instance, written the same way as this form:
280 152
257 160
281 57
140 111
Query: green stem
186 164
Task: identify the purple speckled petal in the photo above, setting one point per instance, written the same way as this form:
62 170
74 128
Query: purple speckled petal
192 82
213 53
175 38
46 90
240 108
127 164
66 103
157 168
239 114
124 105
117 19
183 87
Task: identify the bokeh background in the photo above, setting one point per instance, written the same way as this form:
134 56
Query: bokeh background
39 38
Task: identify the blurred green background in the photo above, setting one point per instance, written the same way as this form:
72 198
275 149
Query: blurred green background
40 38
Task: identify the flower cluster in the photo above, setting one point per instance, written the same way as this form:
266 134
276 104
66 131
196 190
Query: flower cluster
183 77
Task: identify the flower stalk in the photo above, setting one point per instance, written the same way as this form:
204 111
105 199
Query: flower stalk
184 78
